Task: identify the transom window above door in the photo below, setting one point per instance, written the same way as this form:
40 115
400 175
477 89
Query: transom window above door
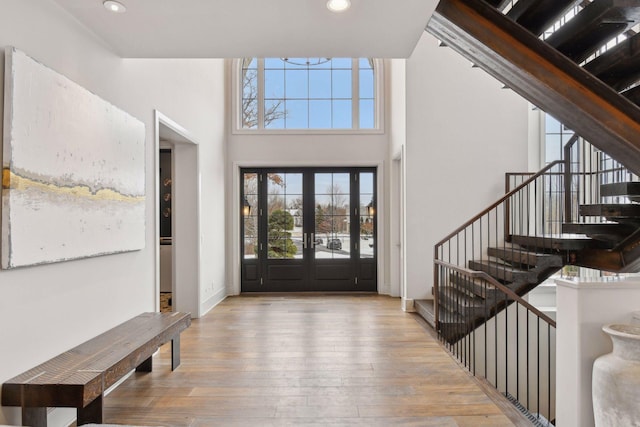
285 94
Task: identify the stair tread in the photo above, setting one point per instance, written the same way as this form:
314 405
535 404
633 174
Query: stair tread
503 272
498 4
425 308
611 232
427 304
538 15
561 242
474 287
620 189
612 210
494 264
524 257
595 24
619 66
461 298
597 227
632 95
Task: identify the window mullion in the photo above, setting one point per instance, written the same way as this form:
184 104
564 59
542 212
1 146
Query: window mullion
308 97
260 93
355 93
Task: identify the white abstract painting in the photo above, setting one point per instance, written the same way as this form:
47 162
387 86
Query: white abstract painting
73 170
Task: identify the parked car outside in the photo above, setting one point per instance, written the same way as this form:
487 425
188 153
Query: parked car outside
334 244
319 241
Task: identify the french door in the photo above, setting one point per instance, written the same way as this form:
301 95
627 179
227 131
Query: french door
308 229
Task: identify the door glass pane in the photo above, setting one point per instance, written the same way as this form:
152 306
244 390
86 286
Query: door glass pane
249 211
284 215
367 214
332 220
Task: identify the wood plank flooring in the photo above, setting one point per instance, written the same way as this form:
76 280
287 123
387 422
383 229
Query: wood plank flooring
305 360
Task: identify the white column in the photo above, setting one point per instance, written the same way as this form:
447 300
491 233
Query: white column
583 308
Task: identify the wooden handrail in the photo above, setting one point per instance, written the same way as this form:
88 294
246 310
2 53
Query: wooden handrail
484 276
581 173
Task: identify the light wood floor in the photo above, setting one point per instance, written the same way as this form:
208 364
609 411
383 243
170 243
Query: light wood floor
305 360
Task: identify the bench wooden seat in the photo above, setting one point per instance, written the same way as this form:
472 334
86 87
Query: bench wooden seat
79 377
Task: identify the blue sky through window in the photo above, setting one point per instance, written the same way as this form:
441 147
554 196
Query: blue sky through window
309 93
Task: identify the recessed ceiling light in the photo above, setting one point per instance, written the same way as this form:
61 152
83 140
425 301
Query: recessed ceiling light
338 5
114 6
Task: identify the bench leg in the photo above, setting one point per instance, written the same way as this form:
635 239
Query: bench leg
34 417
146 366
175 352
92 413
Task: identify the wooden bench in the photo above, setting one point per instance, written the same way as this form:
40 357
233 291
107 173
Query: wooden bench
79 377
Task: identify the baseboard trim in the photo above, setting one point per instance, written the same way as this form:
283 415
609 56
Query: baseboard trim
216 299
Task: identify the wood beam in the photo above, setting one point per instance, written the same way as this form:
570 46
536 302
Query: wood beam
542 75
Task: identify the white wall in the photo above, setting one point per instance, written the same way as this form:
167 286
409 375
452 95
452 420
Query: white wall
463 133
45 310
398 136
584 306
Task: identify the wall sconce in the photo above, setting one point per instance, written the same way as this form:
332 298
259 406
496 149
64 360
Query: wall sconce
246 207
371 210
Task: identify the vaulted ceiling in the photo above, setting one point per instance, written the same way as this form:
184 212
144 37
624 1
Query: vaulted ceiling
264 28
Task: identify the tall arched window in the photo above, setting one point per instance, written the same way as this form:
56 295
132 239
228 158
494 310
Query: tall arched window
308 93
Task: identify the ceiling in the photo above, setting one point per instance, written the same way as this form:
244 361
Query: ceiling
261 28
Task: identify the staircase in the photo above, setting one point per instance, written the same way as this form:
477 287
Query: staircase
549 51
483 269
518 242
578 60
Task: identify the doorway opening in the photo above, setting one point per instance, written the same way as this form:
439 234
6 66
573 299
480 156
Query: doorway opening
308 229
183 263
166 246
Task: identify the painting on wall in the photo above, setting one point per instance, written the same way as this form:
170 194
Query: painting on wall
73 170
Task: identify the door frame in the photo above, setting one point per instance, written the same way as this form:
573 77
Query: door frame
186 220
234 210
311 272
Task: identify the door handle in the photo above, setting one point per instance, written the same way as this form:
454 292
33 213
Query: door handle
304 241
313 241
